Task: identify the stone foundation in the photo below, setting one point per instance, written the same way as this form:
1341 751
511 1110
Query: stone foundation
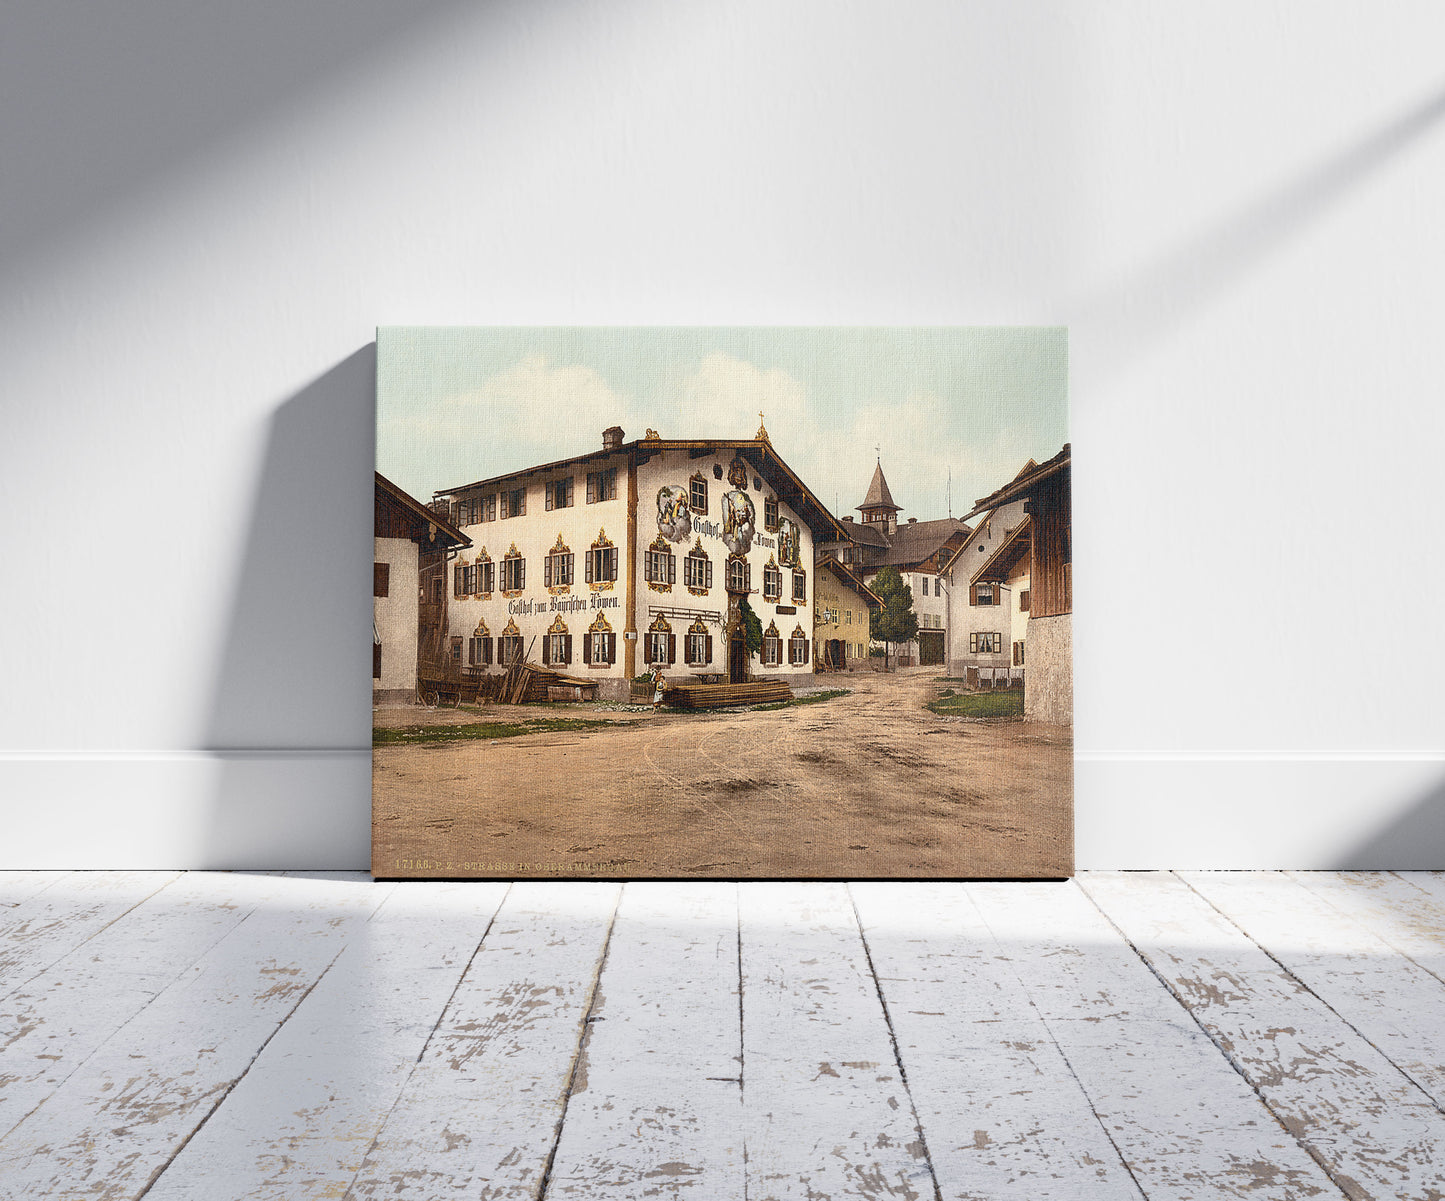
1049 680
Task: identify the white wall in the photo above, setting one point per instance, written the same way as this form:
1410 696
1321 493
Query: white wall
207 207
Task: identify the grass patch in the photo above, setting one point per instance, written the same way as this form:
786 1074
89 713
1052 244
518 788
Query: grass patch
1007 702
811 699
483 730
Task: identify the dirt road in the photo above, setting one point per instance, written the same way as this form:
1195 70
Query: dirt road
865 785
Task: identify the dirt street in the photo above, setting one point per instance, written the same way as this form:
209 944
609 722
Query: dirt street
865 785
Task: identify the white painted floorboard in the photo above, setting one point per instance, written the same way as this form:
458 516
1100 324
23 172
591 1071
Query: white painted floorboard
1266 1035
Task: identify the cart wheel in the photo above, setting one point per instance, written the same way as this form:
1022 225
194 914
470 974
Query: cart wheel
429 699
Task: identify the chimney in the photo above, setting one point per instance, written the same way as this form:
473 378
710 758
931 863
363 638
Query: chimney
848 518
612 437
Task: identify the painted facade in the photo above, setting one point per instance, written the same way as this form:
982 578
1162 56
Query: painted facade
642 553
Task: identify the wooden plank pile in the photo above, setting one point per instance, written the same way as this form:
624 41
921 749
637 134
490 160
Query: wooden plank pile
526 683
714 696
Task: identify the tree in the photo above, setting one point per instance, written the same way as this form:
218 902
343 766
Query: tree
753 627
896 621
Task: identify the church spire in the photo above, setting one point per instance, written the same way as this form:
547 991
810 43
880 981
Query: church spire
878 506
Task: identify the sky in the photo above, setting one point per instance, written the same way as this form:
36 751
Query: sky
974 404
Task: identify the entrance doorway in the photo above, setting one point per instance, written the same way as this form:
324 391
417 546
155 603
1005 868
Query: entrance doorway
930 647
738 659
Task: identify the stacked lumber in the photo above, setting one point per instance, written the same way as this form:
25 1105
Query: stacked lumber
713 696
526 684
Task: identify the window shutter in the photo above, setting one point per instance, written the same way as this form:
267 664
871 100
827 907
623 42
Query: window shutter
806 652
591 488
707 649
671 649
567 649
521 574
486 651
381 579
587 570
611 647
973 594
672 569
547 572
546 650
709 574
457 580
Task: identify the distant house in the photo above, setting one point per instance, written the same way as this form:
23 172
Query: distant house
1038 549
407 533
989 599
918 549
840 616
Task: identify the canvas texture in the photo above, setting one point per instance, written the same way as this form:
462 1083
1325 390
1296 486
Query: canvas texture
722 603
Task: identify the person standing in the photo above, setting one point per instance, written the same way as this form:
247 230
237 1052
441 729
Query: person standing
657 688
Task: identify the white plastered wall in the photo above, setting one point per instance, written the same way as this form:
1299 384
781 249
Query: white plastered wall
209 207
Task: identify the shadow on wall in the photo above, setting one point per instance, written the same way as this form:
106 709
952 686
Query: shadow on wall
1414 842
119 96
1147 305
290 717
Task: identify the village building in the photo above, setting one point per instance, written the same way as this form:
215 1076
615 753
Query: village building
406 533
637 555
840 617
918 549
1022 588
987 581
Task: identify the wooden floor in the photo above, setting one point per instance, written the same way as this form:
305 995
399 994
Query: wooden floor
1191 1035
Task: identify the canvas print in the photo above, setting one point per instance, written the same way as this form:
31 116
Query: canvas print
727 603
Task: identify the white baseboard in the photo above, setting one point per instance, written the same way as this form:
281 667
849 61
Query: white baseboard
186 809
1307 811
311 809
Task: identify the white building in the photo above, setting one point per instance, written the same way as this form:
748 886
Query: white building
1014 581
638 554
406 531
987 582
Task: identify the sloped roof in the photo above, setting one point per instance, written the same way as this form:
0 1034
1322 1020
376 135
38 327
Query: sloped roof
878 495
1024 483
422 516
868 533
847 576
916 541
1007 555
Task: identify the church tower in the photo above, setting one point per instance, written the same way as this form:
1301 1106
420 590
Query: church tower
878 507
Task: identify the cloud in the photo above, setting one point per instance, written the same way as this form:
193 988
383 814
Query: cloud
830 440
533 411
